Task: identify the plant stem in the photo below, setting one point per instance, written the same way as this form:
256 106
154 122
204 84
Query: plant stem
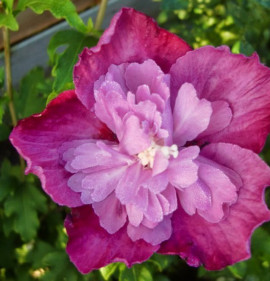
8 76
11 106
101 14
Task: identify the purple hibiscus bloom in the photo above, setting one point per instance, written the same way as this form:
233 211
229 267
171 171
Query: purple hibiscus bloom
155 150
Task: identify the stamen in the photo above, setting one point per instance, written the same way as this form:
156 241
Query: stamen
147 156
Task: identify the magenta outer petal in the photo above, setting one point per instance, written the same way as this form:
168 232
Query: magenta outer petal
124 42
91 247
39 137
216 245
241 81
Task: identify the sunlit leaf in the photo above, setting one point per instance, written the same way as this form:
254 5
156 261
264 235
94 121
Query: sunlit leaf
64 62
109 270
60 9
8 4
9 21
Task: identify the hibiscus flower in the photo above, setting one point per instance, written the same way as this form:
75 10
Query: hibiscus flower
155 150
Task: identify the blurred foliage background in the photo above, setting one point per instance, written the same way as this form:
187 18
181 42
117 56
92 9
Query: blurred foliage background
32 237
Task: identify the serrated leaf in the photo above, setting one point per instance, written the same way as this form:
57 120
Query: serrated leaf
23 206
9 21
108 271
8 224
65 61
60 9
28 100
7 184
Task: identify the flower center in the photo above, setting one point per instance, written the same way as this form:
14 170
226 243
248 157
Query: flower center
147 156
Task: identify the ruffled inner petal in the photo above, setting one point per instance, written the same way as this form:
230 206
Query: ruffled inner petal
155 184
143 93
220 119
191 115
183 171
110 107
195 197
102 183
223 191
129 190
135 215
148 73
215 189
134 138
155 235
91 155
112 214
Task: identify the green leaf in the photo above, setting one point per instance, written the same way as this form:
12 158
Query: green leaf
8 170
39 251
29 100
9 21
22 273
65 61
4 132
60 268
238 270
7 257
3 104
51 96
161 261
246 48
8 4
108 271
7 185
135 273
60 9
23 206
174 4
2 77
264 3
